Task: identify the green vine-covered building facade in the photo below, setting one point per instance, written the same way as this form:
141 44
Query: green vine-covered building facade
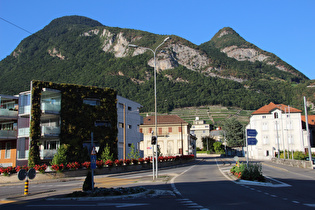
56 114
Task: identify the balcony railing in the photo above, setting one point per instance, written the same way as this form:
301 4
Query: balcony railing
8 134
24 132
25 109
49 107
47 153
50 130
8 113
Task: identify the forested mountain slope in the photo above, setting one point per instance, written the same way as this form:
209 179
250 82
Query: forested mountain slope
226 70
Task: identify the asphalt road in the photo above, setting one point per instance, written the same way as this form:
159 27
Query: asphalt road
204 185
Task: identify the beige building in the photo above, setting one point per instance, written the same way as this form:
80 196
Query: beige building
200 129
173 136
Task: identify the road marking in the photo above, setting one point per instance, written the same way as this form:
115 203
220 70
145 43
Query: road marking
117 205
309 204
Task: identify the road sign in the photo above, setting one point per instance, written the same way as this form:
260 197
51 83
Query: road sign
93 161
93 152
251 132
251 141
22 174
31 173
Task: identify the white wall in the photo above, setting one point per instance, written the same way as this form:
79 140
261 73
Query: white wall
131 123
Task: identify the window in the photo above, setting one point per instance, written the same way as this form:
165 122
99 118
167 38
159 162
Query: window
120 106
7 150
160 130
170 129
289 125
121 125
150 130
141 130
264 117
179 129
129 108
129 126
275 115
290 139
91 101
50 145
265 140
265 126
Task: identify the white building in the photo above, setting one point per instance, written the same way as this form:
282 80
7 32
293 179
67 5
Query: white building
200 129
128 122
279 128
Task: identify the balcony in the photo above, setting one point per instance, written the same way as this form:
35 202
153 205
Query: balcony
8 134
48 107
24 132
8 114
47 153
50 131
25 110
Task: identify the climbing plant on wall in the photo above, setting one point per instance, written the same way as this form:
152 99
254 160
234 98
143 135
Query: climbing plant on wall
78 119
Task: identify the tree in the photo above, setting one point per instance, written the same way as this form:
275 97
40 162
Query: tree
218 147
234 132
208 143
134 153
106 155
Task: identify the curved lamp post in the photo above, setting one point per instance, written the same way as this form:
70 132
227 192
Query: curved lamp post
155 102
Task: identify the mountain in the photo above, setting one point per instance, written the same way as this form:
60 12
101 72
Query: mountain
227 70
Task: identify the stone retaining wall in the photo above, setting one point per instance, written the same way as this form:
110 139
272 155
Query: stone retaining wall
294 163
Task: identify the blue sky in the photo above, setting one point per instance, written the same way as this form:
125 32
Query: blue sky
283 27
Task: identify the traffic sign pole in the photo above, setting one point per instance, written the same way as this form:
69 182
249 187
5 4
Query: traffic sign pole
250 139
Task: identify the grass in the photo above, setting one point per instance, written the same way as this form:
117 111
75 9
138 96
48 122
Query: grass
214 115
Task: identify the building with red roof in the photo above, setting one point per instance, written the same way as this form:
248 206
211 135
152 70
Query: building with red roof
173 136
279 127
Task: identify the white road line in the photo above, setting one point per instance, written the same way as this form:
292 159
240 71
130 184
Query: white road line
309 204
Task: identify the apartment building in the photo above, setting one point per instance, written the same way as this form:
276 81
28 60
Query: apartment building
279 128
200 129
173 136
8 130
129 121
52 114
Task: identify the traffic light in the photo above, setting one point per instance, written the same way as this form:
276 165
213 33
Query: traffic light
153 140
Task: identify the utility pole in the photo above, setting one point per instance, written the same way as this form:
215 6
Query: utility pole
308 133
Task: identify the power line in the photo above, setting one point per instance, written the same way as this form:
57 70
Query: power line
15 25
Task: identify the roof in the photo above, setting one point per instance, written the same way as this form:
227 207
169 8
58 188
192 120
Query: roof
267 109
163 119
310 119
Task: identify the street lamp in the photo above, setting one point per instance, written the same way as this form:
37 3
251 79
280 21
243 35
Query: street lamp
155 103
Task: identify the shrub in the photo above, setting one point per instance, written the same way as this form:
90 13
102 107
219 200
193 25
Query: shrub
87 185
60 157
298 155
106 155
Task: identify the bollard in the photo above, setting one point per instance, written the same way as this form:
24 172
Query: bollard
26 187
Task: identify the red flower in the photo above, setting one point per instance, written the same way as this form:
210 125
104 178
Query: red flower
118 162
109 163
86 164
